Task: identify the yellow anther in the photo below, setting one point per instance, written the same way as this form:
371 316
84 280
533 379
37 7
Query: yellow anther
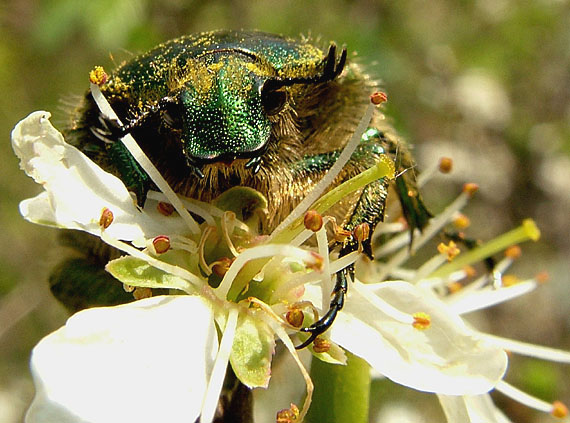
450 250
295 317
509 280
461 221
161 244
317 263
559 409
288 415
378 97
469 271
221 266
422 320
445 165
321 345
98 76
313 220
542 277
470 188
106 218
454 287
165 209
513 252
141 293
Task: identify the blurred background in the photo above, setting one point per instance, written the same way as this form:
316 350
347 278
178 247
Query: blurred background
486 82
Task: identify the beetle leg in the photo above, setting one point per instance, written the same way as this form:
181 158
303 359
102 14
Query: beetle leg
369 209
336 304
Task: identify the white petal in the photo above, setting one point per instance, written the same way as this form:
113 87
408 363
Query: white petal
447 358
471 408
77 190
147 361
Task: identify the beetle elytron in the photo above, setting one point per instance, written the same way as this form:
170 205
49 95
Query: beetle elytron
220 109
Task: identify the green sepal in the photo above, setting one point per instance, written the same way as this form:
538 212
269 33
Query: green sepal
136 272
252 351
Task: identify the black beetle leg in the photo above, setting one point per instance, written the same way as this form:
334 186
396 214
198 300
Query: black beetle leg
335 306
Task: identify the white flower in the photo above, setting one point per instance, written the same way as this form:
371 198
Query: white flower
147 361
112 363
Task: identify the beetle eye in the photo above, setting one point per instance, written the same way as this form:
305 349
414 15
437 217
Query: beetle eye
273 100
171 114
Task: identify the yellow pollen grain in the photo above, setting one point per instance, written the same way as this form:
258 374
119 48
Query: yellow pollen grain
321 345
445 165
470 188
450 250
295 317
513 252
141 293
106 218
98 76
161 244
461 221
559 409
542 277
454 287
510 280
422 320
469 271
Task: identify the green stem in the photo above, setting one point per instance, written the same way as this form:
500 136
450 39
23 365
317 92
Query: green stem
341 392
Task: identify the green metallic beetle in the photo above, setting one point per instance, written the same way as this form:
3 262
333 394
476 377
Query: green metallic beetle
219 109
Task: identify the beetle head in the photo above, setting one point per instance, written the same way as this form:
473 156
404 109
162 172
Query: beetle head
222 103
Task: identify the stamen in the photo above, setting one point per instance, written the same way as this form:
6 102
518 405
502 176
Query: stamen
429 231
140 293
164 208
205 210
261 251
444 165
390 227
529 350
327 283
98 76
228 224
313 220
217 377
468 299
294 282
527 230
144 161
422 321
288 415
201 259
321 345
382 305
267 309
106 218
295 317
220 267
526 399
345 261
329 176
280 332
194 282
460 221
161 244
